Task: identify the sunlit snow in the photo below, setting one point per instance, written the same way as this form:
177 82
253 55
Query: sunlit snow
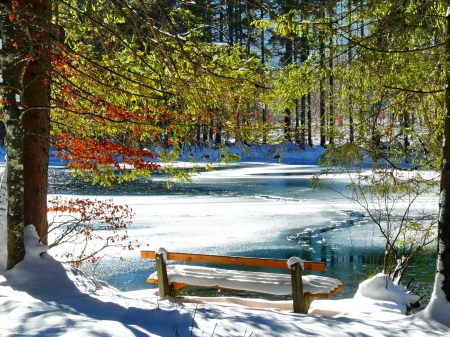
42 297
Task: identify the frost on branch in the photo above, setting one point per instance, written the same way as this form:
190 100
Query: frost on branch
90 226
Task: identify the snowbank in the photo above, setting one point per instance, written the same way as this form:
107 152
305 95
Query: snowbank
381 287
377 297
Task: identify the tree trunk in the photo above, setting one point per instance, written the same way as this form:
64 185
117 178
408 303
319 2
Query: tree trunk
330 100
287 125
218 138
221 26
304 50
27 89
443 266
442 282
297 122
331 87
322 92
205 133
350 88
12 111
406 125
264 121
303 119
36 123
308 106
264 114
322 113
197 132
249 28
211 132
308 112
230 20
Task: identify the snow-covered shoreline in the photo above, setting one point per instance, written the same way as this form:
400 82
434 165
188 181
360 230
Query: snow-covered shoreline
42 297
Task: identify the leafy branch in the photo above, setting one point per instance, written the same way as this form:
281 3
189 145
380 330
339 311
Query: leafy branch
90 225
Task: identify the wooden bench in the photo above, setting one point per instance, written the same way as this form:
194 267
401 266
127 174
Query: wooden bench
304 289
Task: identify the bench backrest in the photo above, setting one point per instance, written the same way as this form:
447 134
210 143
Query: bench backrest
233 260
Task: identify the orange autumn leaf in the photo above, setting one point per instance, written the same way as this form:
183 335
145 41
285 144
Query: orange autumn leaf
87 154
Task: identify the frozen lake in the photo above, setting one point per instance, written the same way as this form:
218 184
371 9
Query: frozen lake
248 210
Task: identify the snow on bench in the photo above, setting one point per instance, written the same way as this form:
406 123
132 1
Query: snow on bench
270 283
304 289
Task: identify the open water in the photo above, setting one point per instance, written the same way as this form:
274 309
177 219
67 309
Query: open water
247 210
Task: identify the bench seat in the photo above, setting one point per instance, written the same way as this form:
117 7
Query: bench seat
171 278
270 283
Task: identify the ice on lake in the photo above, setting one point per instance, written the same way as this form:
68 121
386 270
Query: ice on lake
248 210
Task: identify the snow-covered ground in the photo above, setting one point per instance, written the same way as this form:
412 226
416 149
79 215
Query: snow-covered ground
42 297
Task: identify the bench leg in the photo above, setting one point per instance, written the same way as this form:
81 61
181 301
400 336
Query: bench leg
301 302
163 280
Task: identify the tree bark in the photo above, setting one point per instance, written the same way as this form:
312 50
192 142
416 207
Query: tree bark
287 125
330 100
308 112
304 50
230 20
264 113
36 123
350 88
12 68
443 258
27 117
331 86
442 280
322 92
297 122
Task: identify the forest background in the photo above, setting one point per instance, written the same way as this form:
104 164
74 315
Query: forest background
119 87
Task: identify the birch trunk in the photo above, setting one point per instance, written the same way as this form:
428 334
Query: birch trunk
443 264
24 93
12 116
